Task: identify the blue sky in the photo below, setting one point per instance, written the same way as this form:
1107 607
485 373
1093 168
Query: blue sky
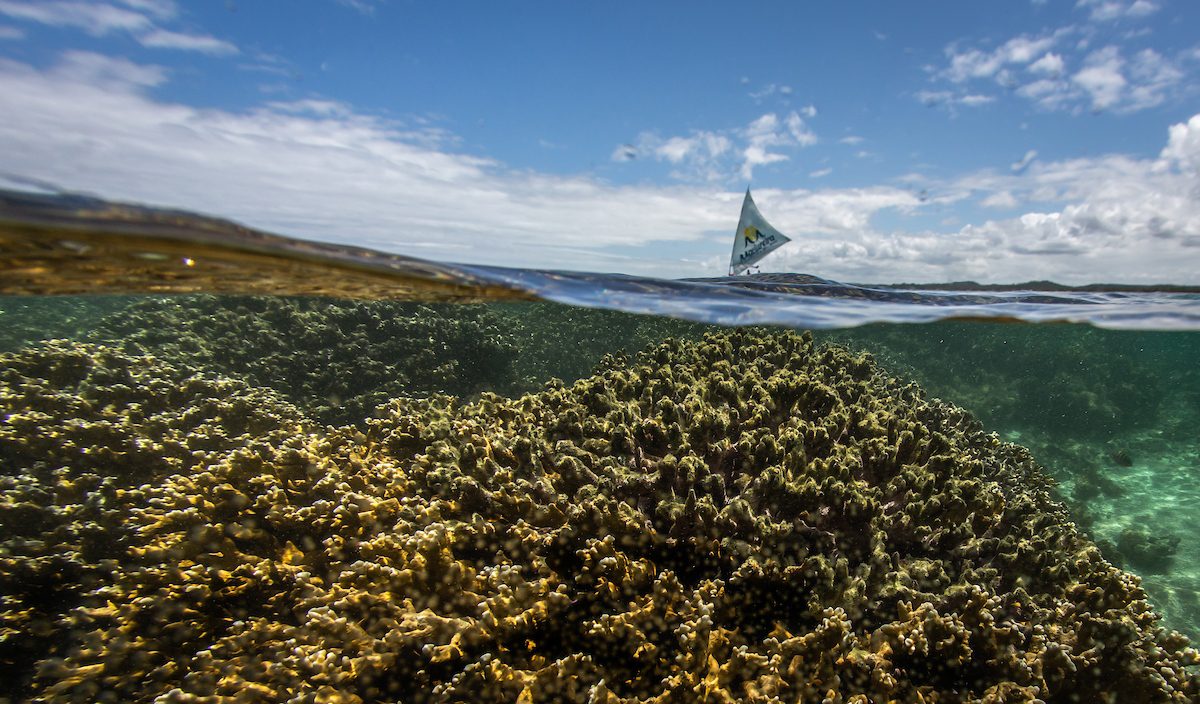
891 141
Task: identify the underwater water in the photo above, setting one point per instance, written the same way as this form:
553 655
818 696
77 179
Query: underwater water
429 483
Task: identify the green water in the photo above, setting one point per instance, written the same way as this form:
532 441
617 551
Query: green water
1111 415
136 393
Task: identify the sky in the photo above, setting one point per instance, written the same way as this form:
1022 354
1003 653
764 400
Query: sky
935 141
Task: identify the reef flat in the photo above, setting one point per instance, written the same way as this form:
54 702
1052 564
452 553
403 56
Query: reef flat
337 360
746 517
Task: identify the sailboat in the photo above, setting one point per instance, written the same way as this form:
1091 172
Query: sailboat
754 238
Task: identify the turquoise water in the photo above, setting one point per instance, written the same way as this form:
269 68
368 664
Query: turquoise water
507 485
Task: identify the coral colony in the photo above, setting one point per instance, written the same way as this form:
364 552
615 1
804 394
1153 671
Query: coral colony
745 517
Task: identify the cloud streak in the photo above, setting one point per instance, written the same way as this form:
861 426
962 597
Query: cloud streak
203 43
138 18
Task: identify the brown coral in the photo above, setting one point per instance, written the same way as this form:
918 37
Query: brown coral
746 518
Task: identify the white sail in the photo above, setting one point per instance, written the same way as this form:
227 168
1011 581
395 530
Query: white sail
754 239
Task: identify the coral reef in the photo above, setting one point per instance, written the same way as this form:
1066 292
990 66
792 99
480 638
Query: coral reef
84 428
750 517
338 359
335 359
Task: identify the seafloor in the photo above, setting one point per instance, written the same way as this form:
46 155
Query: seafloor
252 499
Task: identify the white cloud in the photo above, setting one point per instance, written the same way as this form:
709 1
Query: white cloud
166 39
769 132
7 32
93 18
106 72
1183 147
708 144
1101 77
851 139
1102 10
1075 77
1141 8
366 7
769 90
975 100
755 156
1050 64
1000 199
137 18
162 9
676 149
1045 89
317 107
976 63
820 172
699 156
1110 10
800 131
1153 78
934 97
951 99
1109 82
625 152
841 212
1024 161
714 156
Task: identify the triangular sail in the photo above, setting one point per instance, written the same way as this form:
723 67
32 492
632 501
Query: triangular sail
754 239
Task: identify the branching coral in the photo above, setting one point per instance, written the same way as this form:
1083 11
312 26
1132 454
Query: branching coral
749 517
86 431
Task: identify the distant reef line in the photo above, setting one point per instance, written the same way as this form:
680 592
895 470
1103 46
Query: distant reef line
798 278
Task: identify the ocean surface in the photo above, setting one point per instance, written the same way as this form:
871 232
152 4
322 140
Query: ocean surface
240 467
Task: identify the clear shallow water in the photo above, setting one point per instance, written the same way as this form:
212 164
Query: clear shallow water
267 497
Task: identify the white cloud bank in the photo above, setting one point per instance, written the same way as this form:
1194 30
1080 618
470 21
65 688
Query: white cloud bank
1127 220
320 169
